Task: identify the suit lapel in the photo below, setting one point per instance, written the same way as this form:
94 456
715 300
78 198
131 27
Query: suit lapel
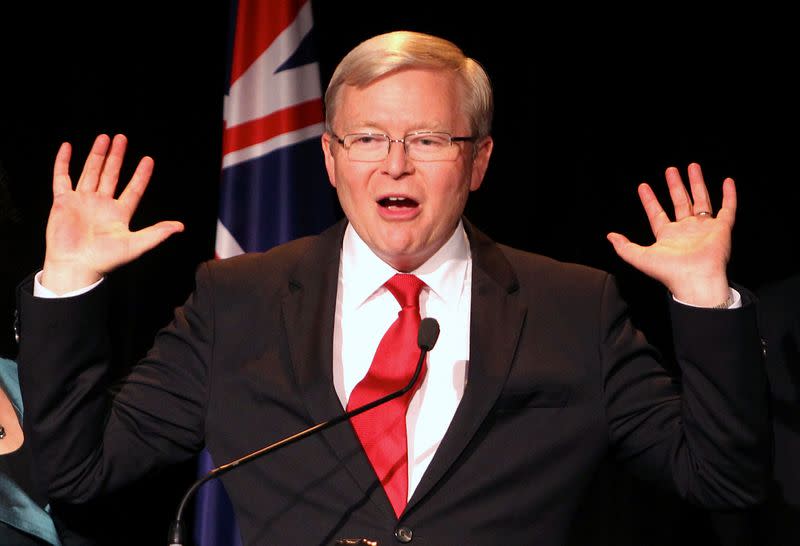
309 310
495 326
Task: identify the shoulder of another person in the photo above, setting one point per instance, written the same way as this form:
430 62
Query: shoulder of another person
783 292
779 303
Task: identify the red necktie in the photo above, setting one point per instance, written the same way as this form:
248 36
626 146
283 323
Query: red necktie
382 430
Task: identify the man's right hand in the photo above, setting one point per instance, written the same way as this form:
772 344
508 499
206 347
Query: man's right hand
87 231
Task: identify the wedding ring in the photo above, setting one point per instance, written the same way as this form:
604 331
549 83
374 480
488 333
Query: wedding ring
703 213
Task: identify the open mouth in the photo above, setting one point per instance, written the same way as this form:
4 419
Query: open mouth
397 202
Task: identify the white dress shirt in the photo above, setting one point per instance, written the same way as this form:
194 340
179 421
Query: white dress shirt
364 311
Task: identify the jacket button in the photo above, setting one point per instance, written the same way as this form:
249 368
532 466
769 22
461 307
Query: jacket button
403 534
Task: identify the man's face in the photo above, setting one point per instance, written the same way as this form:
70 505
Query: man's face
404 210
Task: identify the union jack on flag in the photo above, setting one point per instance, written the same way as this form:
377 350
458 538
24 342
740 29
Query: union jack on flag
273 187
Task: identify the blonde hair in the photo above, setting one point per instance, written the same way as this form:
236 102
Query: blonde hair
385 53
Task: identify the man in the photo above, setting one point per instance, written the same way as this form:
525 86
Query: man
777 521
538 373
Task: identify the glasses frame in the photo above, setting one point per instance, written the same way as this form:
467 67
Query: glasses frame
390 140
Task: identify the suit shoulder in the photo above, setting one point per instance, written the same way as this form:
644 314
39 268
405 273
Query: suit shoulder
276 262
529 265
573 297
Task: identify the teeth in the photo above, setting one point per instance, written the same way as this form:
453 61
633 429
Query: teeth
397 202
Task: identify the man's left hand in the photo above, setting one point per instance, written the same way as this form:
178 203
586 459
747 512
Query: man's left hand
691 252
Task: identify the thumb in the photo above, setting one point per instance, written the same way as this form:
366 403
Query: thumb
625 249
152 236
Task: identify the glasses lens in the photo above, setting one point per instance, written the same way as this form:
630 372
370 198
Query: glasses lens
430 147
366 147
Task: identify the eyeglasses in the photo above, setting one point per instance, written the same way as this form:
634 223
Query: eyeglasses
419 146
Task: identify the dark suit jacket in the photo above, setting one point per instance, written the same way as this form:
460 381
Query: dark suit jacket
779 314
558 377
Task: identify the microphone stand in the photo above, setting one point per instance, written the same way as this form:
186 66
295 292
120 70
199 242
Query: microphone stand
428 333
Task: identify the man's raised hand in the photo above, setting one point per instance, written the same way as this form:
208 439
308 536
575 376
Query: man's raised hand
691 252
87 231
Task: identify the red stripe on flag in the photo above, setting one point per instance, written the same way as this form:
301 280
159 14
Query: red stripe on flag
262 129
258 23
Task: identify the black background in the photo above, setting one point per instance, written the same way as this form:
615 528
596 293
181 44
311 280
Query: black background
589 103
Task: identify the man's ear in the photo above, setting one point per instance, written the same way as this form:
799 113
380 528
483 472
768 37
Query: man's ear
480 162
330 161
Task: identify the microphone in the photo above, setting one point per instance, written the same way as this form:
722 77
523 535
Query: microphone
426 339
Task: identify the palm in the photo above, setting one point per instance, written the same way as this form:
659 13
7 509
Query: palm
694 246
88 228
87 231
691 253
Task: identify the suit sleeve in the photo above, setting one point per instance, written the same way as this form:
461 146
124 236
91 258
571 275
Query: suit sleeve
706 433
87 441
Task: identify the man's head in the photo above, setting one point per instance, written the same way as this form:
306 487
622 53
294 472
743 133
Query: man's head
406 203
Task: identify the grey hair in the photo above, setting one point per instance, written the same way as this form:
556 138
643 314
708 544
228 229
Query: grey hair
385 53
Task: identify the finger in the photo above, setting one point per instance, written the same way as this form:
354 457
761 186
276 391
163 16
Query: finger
678 193
110 173
729 200
150 237
61 181
652 208
133 192
94 164
702 202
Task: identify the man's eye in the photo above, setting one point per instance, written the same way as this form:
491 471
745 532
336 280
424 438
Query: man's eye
366 140
430 142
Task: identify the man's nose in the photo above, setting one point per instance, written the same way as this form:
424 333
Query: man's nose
397 162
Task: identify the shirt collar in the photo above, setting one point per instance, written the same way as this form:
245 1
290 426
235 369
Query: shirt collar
364 273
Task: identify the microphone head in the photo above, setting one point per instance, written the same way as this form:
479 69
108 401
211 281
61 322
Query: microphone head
428 333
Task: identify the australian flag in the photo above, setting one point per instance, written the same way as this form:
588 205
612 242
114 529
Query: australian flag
274 187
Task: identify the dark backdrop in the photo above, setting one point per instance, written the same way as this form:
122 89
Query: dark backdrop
589 104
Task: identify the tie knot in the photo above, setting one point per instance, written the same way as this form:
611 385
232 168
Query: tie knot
405 288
